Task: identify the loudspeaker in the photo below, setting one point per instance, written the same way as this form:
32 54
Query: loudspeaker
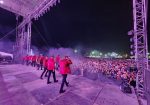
126 88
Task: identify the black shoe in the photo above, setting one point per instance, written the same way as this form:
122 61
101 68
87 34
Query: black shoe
56 81
67 84
48 82
61 91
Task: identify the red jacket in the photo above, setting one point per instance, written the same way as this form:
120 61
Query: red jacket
34 58
30 57
65 66
27 58
51 64
57 58
45 60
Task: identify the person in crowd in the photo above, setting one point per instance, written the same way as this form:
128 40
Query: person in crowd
64 70
51 69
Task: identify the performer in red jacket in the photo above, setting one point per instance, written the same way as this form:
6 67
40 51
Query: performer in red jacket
27 59
57 61
34 60
45 62
51 69
41 61
64 70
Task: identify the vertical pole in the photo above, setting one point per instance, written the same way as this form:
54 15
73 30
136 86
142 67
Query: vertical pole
29 37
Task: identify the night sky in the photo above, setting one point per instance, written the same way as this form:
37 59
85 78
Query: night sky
86 24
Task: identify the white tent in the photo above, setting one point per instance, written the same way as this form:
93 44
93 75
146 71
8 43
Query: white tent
3 54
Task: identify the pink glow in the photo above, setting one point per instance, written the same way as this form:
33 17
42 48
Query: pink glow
1 2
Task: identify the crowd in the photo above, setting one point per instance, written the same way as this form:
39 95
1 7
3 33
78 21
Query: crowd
119 69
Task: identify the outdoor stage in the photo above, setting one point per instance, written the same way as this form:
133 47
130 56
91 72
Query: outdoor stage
21 85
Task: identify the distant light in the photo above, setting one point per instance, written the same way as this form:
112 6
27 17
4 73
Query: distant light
75 51
1 2
100 54
93 52
31 53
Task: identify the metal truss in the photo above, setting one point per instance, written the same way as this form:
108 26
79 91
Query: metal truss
140 42
23 41
41 9
23 37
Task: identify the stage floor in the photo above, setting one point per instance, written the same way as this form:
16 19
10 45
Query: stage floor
21 85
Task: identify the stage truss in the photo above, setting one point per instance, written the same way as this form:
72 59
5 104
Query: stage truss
140 42
28 9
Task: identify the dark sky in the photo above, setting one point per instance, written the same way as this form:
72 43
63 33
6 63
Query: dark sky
88 24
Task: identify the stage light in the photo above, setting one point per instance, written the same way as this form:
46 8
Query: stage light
131 40
131 32
132 46
1 2
132 53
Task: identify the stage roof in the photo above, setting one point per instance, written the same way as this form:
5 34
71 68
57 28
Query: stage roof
25 7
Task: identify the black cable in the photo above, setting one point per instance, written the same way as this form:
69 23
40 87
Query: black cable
97 96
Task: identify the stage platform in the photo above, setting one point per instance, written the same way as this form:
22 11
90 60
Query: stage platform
21 85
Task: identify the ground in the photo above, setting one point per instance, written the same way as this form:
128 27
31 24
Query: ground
21 85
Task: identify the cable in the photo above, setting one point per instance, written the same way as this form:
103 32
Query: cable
97 96
8 33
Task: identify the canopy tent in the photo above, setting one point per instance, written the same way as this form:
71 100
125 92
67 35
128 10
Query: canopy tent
5 54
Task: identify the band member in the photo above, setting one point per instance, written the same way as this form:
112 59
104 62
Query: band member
51 69
57 61
41 62
34 60
38 62
27 59
30 59
64 70
45 60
